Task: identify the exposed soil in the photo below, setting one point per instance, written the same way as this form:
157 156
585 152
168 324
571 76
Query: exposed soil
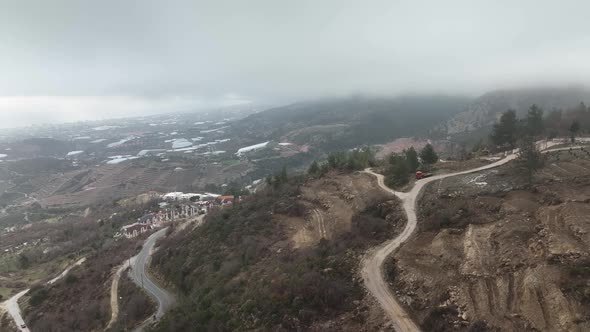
492 252
331 202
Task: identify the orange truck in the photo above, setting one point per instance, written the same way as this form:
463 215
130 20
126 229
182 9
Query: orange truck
422 175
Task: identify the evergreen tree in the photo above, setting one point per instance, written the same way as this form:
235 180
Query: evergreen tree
505 131
314 168
530 156
574 129
411 158
397 174
428 155
534 121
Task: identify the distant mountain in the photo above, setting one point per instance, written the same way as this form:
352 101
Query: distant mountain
333 124
485 110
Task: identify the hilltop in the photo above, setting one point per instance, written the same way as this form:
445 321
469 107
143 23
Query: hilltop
342 123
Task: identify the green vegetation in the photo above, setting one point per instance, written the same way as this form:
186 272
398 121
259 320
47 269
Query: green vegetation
230 162
340 124
428 155
38 294
354 160
574 129
525 132
531 158
401 166
534 122
504 133
412 158
236 272
577 283
397 173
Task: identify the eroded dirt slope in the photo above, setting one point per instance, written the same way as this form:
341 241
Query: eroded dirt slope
492 252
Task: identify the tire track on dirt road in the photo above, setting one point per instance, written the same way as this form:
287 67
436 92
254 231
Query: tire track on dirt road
320 223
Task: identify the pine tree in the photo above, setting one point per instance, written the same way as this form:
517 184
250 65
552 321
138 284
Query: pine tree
574 129
314 168
506 130
530 156
398 171
534 121
411 158
428 155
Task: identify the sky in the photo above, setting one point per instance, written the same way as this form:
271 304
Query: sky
70 60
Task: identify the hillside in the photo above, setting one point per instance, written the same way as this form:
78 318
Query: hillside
333 124
486 109
492 251
284 260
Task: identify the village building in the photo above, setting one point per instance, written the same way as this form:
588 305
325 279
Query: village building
133 230
226 199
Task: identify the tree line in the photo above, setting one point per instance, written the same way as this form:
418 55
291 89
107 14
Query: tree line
400 166
353 160
510 129
512 132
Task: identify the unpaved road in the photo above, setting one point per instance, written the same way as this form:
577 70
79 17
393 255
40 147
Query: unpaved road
138 273
320 223
11 305
372 271
114 294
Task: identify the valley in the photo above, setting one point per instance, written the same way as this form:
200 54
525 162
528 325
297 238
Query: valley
250 236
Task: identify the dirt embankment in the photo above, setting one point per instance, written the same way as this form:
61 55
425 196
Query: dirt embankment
492 252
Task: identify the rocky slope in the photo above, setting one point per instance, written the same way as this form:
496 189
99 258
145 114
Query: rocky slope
486 109
493 253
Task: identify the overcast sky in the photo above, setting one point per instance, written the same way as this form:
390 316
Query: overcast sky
74 60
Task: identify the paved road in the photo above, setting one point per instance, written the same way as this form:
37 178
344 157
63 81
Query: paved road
11 305
372 271
138 273
164 298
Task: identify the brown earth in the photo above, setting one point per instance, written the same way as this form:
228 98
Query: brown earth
492 251
332 203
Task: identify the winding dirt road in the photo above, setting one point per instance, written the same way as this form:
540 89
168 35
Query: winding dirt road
114 294
372 271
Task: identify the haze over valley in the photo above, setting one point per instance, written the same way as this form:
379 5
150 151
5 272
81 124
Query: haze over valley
305 166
